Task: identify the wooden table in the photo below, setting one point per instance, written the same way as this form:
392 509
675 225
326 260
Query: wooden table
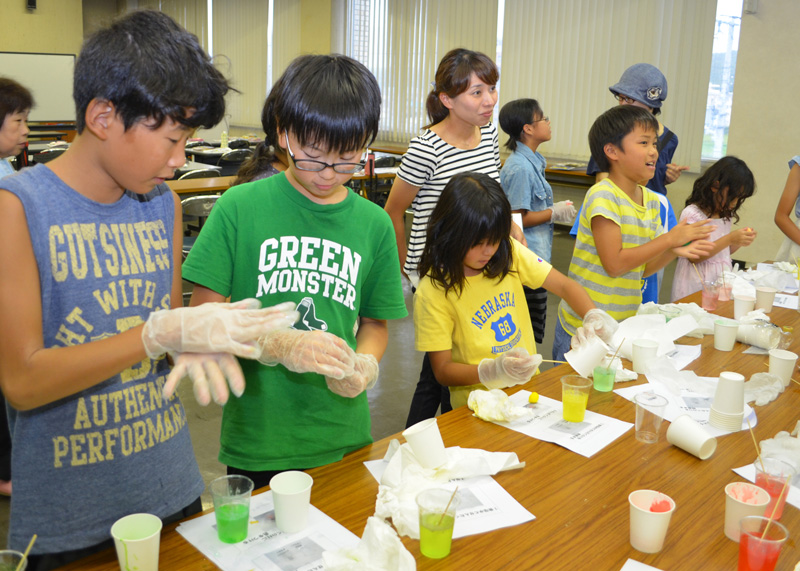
201 185
580 504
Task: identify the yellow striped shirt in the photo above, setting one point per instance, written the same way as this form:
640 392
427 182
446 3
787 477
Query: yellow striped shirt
620 296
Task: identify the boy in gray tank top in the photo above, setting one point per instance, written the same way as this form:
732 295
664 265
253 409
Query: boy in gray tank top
89 284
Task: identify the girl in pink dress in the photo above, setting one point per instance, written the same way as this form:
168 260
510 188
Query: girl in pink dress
717 195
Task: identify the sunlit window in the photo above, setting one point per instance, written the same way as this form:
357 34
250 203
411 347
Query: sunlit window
720 85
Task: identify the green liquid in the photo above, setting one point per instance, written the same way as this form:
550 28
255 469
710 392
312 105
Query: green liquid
434 537
232 522
604 379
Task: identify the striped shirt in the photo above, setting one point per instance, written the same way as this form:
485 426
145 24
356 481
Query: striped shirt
620 296
429 164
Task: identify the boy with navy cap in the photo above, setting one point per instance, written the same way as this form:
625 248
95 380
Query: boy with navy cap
643 85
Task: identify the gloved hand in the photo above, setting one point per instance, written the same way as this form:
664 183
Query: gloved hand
508 369
364 377
214 328
308 352
598 323
211 373
563 212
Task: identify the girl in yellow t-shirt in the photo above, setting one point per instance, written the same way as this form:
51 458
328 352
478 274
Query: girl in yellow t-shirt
470 313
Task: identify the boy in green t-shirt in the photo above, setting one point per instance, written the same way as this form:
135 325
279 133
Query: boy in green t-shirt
303 236
620 239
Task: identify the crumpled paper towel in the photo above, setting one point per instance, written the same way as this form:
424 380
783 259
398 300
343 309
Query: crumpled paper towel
380 549
786 267
655 327
662 371
782 446
404 478
494 406
763 388
704 320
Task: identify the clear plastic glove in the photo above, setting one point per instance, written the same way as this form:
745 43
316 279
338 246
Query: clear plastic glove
508 369
563 212
215 328
211 374
364 377
308 352
599 323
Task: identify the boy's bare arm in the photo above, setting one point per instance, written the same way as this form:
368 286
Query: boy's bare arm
30 375
372 337
654 254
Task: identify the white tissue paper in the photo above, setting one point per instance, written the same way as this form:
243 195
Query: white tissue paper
786 267
653 326
494 406
380 549
782 446
763 388
622 374
404 478
663 372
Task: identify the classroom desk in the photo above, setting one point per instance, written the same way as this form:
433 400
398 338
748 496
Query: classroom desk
201 185
580 504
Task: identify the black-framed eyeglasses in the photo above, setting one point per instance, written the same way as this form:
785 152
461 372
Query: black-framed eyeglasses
317 166
624 99
542 119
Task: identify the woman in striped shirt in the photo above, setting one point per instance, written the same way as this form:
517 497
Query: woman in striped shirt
459 138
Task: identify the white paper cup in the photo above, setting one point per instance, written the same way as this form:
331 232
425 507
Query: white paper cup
782 363
644 351
137 538
291 495
689 435
725 334
426 443
586 357
742 305
648 528
736 509
729 396
764 298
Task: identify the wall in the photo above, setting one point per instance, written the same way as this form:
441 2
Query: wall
765 124
315 30
56 26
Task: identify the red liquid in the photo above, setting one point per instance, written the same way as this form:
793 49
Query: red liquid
774 486
755 555
709 300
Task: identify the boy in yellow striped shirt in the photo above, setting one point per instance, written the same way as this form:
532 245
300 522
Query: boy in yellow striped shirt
620 238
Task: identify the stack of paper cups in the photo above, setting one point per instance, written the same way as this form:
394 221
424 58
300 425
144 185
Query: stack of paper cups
727 410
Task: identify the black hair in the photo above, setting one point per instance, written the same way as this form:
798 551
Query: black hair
613 125
472 208
453 76
149 68
328 99
723 182
14 98
267 151
514 115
